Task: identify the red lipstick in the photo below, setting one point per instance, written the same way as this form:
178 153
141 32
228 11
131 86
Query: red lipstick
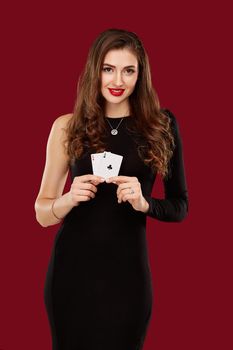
116 92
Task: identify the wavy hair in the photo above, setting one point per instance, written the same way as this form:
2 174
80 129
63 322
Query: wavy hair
87 128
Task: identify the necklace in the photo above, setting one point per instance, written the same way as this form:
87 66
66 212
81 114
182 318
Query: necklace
114 131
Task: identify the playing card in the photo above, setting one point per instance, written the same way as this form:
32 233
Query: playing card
95 159
109 165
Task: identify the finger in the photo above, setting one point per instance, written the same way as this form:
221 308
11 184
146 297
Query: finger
129 196
83 192
84 186
95 182
91 187
119 179
123 186
126 192
91 177
88 178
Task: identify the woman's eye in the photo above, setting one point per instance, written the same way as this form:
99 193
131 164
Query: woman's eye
104 69
129 70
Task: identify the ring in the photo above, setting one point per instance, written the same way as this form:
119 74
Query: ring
132 191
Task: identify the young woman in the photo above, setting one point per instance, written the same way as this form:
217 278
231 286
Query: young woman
98 290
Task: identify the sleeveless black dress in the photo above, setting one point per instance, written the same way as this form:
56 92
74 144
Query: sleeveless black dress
98 288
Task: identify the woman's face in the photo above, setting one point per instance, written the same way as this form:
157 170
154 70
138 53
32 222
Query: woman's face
119 71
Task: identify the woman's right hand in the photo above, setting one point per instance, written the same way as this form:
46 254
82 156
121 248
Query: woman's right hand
83 188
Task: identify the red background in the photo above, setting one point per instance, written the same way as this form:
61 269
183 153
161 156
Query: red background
43 50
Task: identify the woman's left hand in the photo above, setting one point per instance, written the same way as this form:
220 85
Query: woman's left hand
125 185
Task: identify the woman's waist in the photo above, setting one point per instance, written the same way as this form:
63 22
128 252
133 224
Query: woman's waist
99 213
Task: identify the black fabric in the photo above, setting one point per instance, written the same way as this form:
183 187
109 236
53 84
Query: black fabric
174 207
98 290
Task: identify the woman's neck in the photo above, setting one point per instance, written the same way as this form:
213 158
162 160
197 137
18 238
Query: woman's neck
117 111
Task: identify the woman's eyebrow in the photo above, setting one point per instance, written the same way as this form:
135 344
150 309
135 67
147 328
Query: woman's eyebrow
107 64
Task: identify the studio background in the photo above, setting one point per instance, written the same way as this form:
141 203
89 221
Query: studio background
44 49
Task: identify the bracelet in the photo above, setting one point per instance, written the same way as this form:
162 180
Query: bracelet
53 210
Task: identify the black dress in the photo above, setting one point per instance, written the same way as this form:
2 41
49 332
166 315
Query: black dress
98 288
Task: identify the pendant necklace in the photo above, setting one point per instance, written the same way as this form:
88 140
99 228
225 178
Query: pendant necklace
114 131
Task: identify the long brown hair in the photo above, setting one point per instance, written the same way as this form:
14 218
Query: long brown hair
86 128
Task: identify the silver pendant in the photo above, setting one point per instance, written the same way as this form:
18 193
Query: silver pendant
114 132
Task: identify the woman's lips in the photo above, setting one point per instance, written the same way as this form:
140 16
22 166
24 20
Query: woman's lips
116 92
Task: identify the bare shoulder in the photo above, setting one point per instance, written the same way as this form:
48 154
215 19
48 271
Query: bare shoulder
62 120
58 136
59 126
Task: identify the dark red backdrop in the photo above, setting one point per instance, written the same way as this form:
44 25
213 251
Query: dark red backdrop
43 50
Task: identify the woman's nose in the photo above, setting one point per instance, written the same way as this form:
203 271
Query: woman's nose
118 79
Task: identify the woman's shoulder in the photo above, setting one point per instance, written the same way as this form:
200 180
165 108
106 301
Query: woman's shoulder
59 125
62 120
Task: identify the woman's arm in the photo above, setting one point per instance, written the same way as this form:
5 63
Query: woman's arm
174 208
54 178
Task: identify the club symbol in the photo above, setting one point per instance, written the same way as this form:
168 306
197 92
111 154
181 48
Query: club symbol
109 167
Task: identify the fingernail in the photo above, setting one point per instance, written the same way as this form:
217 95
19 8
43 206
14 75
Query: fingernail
102 179
107 180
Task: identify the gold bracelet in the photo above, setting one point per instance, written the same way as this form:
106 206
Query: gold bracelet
53 211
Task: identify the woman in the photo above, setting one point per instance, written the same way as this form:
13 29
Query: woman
98 290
